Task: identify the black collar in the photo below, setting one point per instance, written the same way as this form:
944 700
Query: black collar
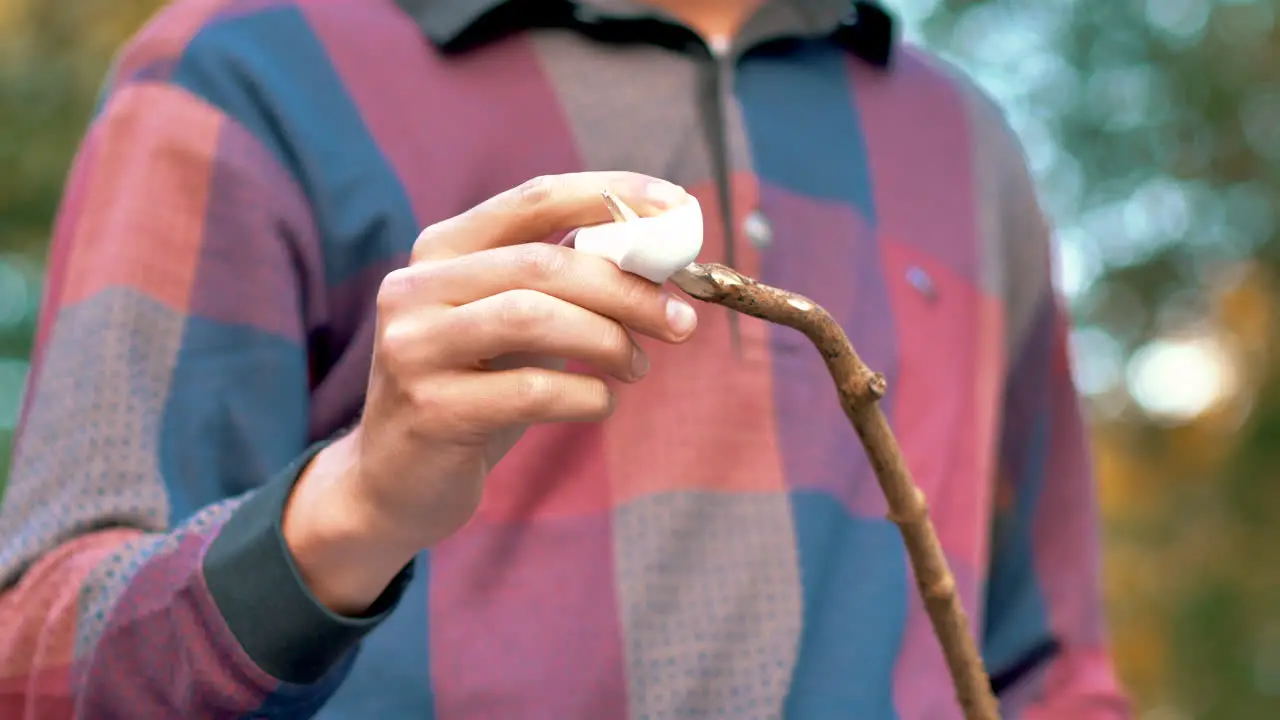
864 27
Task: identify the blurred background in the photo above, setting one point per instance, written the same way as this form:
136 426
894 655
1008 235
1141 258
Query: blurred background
1153 127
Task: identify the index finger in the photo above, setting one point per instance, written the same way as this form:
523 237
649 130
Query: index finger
540 207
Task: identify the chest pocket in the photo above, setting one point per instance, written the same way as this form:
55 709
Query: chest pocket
944 401
826 252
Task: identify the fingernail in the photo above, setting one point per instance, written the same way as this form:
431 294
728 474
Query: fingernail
639 363
680 317
664 195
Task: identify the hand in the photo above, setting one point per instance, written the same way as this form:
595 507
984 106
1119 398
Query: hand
469 351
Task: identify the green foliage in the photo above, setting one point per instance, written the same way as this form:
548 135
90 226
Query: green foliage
53 56
1161 121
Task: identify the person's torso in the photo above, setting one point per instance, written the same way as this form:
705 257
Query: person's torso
717 548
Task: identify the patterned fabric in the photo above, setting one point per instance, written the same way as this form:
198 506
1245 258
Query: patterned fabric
718 548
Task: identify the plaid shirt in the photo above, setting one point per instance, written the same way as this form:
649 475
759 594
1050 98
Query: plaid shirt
718 548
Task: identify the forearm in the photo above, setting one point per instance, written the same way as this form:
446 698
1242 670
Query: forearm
118 623
210 620
40 618
1044 588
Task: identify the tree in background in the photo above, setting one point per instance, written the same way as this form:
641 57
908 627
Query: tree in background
1154 128
53 55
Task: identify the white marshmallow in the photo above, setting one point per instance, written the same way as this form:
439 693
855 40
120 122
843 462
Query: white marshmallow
652 247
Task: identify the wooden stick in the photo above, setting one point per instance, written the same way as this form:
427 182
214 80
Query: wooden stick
860 389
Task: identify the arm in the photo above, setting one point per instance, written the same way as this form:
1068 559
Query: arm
1045 640
141 557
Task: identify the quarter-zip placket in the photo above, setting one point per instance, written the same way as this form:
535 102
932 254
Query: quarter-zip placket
716 77
716 82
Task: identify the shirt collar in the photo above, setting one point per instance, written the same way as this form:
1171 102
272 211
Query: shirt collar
864 27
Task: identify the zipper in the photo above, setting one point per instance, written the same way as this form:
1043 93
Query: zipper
717 77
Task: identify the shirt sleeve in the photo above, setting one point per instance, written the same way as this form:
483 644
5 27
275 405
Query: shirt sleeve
1045 640
143 570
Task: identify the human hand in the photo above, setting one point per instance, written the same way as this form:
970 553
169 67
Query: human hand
470 347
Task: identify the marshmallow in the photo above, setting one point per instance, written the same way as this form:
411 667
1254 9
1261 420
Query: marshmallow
652 247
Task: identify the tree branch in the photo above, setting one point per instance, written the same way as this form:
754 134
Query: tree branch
860 389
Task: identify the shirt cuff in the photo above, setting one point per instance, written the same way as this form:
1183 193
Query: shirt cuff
252 576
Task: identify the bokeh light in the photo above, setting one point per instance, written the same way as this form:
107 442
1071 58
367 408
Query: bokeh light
1178 380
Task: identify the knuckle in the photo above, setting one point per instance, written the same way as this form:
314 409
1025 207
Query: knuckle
533 192
429 412
394 286
423 244
436 414
404 286
616 341
538 262
466 323
639 296
394 344
434 240
533 394
522 312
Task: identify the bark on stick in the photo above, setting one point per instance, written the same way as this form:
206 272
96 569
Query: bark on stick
859 389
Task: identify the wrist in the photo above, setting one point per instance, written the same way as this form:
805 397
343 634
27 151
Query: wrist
343 558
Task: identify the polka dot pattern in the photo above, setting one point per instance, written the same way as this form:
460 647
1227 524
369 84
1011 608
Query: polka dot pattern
710 600
105 586
87 454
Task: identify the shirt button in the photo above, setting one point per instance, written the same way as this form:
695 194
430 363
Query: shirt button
757 229
921 281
